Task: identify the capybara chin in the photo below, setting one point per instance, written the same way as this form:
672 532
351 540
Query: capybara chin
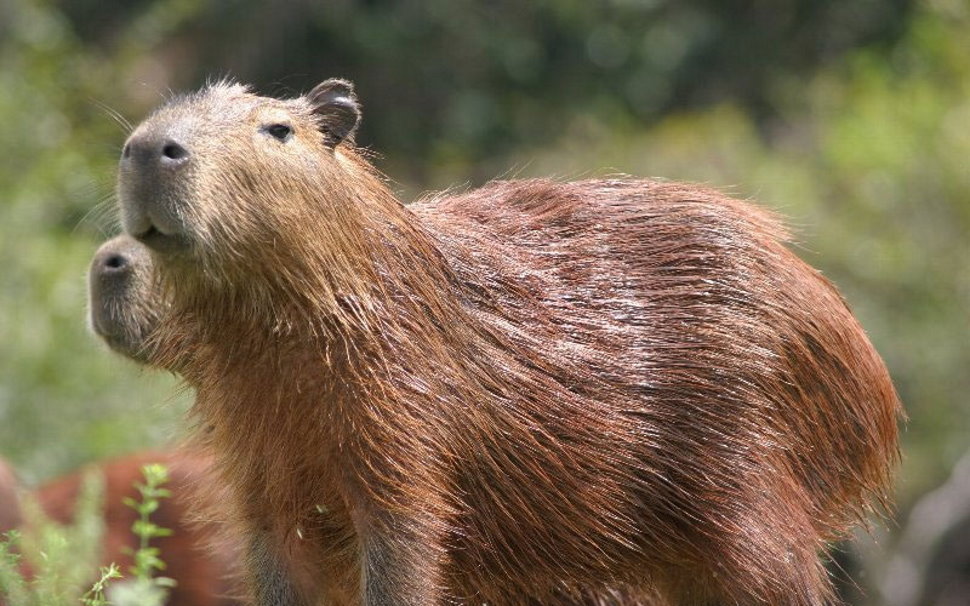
526 393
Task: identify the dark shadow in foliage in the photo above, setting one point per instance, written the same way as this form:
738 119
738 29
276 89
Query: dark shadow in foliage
487 77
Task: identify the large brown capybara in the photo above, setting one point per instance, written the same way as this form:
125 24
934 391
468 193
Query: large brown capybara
204 566
523 392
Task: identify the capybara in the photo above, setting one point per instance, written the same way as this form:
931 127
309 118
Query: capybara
205 575
518 394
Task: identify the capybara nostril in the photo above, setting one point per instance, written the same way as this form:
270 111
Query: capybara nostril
126 151
115 262
174 154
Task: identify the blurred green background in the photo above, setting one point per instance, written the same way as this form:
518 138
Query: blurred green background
852 118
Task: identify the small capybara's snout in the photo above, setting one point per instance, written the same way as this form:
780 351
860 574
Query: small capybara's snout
116 264
124 300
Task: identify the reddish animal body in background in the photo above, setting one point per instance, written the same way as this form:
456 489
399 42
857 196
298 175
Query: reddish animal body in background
532 392
204 567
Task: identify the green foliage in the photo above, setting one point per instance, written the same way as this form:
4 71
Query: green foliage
467 81
63 400
145 589
48 564
13 587
95 595
59 557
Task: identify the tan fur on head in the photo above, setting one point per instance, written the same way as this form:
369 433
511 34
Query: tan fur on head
533 391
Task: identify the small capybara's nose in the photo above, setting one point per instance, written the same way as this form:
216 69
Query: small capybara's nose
150 150
114 263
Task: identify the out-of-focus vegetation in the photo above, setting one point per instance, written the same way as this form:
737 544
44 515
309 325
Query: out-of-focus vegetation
51 564
851 118
141 586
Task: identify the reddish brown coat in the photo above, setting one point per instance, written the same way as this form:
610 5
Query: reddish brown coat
533 391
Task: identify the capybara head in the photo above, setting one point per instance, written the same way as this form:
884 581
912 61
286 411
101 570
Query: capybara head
125 300
227 186
222 141
264 208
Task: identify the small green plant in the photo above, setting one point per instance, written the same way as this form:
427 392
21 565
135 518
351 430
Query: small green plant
143 588
95 595
49 564
12 584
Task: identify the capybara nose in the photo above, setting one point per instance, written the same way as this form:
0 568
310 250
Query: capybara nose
149 150
114 262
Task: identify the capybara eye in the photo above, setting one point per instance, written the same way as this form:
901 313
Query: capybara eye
281 132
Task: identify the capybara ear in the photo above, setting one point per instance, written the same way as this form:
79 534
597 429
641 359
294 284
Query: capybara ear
336 104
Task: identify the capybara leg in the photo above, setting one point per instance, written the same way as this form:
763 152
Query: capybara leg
271 585
401 564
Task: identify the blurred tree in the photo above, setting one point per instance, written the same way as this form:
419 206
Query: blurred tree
460 81
62 400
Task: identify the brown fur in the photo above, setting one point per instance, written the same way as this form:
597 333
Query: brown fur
528 392
125 304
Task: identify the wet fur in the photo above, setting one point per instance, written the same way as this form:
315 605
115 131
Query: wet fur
532 392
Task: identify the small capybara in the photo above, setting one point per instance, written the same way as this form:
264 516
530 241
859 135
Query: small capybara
530 392
205 576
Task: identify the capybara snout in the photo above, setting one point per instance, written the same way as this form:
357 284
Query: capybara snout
125 300
153 152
